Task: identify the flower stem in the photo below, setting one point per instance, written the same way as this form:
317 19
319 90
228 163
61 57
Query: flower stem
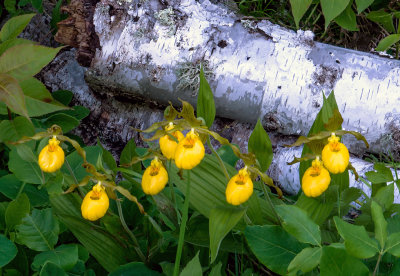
71 172
20 190
183 227
221 163
377 264
267 197
131 235
171 185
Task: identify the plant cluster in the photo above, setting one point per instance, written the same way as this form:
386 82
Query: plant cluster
70 209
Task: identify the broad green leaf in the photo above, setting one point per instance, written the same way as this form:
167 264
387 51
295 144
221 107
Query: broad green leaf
11 94
17 210
10 187
25 171
332 8
15 129
385 196
39 231
26 153
66 122
14 26
318 211
38 99
380 223
10 6
393 224
227 155
222 220
51 269
37 4
336 262
13 42
356 239
128 153
26 60
63 96
393 244
193 268
134 268
347 19
387 42
64 256
260 145
205 101
299 8
108 158
306 260
381 175
216 270
297 223
346 197
3 208
78 112
8 250
383 18
363 4
273 246
94 238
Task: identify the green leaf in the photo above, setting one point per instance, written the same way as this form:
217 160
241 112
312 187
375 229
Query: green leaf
260 145
134 268
94 238
128 153
227 155
387 42
51 269
318 211
356 239
380 223
272 246
63 96
39 231
222 220
11 94
297 223
37 4
382 174
78 112
385 196
306 260
16 211
64 256
363 4
393 244
347 19
66 122
8 250
299 8
26 153
205 101
10 6
76 161
332 8
14 26
383 18
336 262
26 60
15 129
108 158
25 171
13 42
57 16
216 270
193 268
38 99
10 187
393 224
3 208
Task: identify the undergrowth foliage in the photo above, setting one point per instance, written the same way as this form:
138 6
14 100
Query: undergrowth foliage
172 208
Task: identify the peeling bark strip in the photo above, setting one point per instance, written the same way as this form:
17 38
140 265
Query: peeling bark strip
260 70
78 30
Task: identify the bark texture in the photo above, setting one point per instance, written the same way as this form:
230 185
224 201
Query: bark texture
150 50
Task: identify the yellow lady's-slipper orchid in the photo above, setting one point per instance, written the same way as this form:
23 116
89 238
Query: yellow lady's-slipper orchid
189 152
316 179
95 204
335 155
154 178
51 158
239 188
167 144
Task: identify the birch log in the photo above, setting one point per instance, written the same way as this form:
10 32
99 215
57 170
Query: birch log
149 50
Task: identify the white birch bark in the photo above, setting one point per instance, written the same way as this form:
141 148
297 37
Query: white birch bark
259 70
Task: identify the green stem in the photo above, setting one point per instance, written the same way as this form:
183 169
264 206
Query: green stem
377 263
21 189
183 227
221 163
171 185
266 194
397 50
131 235
71 172
311 14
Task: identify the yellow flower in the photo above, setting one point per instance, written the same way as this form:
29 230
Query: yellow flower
316 179
335 155
155 178
189 152
168 145
51 158
239 188
95 204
